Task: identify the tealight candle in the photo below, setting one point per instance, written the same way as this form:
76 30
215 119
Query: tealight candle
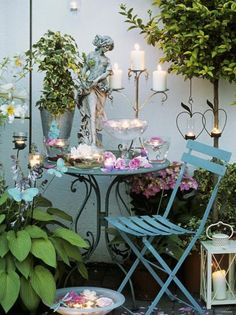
159 80
35 159
137 58
219 284
60 143
116 77
109 164
216 132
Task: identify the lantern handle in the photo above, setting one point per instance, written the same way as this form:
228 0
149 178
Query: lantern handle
217 224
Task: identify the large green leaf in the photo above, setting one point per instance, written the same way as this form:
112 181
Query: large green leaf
57 242
11 283
2 228
72 237
29 297
41 215
19 244
43 284
4 245
36 232
44 250
3 278
40 201
4 198
2 218
10 263
83 270
72 251
24 266
2 265
59 213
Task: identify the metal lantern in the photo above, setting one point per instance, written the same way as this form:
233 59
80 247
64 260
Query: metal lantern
218 258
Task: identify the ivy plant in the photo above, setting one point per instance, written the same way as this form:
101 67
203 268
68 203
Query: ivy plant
57 56
198 38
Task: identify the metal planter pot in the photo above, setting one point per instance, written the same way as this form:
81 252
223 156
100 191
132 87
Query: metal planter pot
64 124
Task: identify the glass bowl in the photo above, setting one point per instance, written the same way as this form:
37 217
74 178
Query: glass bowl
125 129
117 298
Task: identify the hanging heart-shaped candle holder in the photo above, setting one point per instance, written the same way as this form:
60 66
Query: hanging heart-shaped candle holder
216 131
188 118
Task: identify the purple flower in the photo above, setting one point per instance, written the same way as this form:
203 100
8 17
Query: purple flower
109 155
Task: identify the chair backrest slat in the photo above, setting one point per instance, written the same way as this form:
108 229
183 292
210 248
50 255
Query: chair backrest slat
209 150
204 161
208 165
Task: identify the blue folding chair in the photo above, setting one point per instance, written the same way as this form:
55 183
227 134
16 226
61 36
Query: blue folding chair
148 227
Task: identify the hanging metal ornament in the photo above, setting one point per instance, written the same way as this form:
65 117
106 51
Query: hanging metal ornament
190 118
216 131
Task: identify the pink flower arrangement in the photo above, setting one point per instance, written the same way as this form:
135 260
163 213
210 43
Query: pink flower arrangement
152 183
87 299
111 162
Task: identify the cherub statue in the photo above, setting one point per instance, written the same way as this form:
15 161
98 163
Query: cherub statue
93 90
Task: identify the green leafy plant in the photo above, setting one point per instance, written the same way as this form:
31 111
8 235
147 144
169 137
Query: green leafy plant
226 198
198 39
57 56
35 242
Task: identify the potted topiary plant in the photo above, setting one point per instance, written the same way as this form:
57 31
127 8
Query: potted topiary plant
198 38
57 56
32 254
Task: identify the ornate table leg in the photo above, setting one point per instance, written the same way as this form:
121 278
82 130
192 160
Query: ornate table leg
90 185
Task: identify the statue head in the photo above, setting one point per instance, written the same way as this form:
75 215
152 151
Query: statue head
103 41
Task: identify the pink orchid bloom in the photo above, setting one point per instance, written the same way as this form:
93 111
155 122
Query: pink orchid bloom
120 164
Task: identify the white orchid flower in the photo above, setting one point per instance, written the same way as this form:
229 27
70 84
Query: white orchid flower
11 111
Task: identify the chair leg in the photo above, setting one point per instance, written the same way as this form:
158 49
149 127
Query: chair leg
172 277
141 259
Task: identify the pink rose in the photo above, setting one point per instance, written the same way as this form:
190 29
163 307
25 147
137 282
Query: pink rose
134 164
120 164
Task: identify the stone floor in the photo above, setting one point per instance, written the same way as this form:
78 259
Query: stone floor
109 276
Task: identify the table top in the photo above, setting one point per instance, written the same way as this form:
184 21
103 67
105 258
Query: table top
128 172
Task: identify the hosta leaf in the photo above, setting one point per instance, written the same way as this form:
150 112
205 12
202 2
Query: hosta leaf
36 232
41 215
3 245
10 281
40 201
59 213
71 237
19 244
24 266
29 297
2 218
10 263
72 251
4 198
57 242
44 250
2 265
43 284
83 270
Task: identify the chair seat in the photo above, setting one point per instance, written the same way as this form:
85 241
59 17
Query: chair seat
147 225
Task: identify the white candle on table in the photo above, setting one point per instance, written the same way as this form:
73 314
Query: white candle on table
137 57
219 284
116 77
159 79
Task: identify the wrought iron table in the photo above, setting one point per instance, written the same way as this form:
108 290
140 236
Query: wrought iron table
88 178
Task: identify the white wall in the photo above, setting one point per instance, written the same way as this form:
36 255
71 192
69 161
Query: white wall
101 17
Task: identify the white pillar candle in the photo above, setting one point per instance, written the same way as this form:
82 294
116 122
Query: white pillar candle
219 284
159 79
116 77
137 58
